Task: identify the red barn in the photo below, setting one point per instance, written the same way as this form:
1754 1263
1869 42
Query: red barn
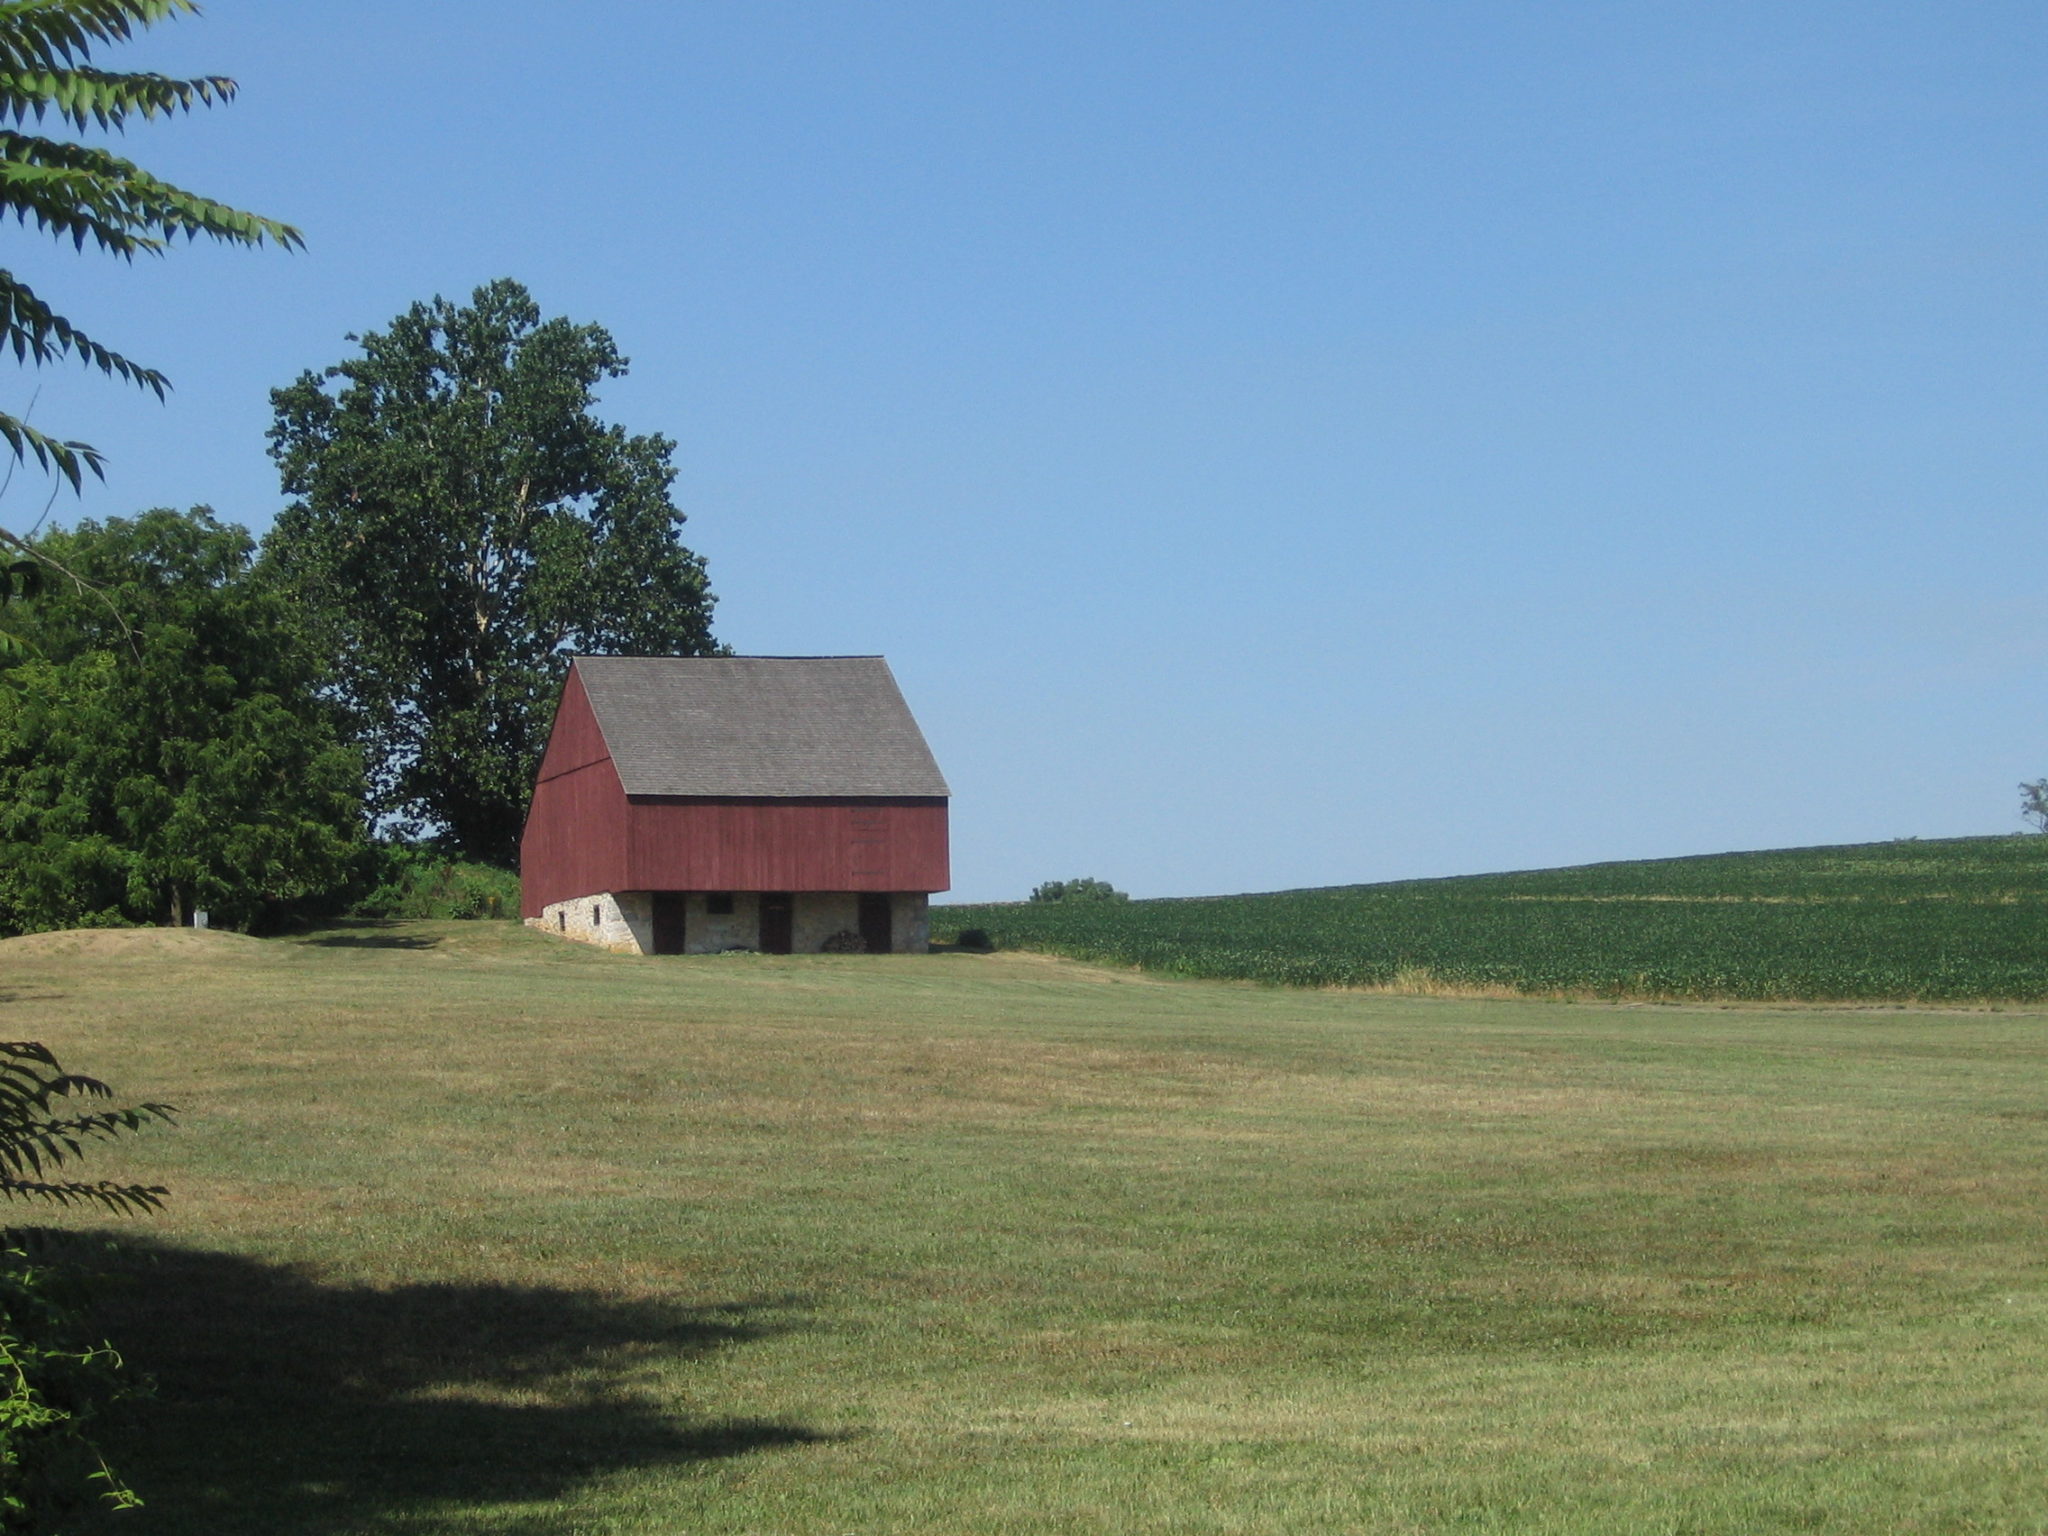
691 804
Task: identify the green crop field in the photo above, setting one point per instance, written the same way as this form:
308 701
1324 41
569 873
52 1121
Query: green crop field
475 1231
1961 919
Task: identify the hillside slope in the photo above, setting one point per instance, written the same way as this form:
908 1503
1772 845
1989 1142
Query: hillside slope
1955 920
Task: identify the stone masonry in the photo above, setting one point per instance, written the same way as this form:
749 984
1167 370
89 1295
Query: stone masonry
623 921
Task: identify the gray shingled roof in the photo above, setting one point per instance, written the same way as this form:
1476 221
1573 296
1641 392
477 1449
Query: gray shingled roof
758 725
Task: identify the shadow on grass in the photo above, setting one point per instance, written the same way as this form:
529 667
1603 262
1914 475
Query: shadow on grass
364 935
284 1404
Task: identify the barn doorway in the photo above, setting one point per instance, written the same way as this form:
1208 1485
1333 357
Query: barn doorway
777 922
671 923
874 922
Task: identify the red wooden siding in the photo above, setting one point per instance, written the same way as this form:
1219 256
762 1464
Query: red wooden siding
575 838
584 836
575 741
787 845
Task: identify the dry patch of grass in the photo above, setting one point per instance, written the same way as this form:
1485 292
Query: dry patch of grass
95 946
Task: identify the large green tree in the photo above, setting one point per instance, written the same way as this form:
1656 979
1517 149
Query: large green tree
462 521
162 748
83 193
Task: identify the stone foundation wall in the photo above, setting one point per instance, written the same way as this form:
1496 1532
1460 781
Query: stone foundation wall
623 921
707 934
820 914
910 923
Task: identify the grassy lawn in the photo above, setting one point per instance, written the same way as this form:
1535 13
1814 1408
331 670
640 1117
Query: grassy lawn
475 1231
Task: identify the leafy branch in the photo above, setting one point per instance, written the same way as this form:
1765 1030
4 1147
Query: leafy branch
55 1380
84 193
38 1140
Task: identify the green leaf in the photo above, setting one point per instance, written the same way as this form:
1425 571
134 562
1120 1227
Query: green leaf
87 195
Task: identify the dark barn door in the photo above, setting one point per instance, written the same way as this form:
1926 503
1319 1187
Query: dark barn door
669 924
874 921
777 922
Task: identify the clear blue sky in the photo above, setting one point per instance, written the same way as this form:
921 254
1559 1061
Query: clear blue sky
1275 445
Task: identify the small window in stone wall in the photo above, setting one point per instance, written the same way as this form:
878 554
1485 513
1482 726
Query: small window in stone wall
561 920
718 904
596 913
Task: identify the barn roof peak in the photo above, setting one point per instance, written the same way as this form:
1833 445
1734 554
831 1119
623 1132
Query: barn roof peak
758 726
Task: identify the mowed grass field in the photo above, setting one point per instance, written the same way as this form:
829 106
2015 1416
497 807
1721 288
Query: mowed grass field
1947 920
475 1231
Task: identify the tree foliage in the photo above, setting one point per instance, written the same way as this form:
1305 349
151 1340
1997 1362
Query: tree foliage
2034 804
19 581
55 1378
164 749
417 880
1077 890
462 521
84 193
41 1135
